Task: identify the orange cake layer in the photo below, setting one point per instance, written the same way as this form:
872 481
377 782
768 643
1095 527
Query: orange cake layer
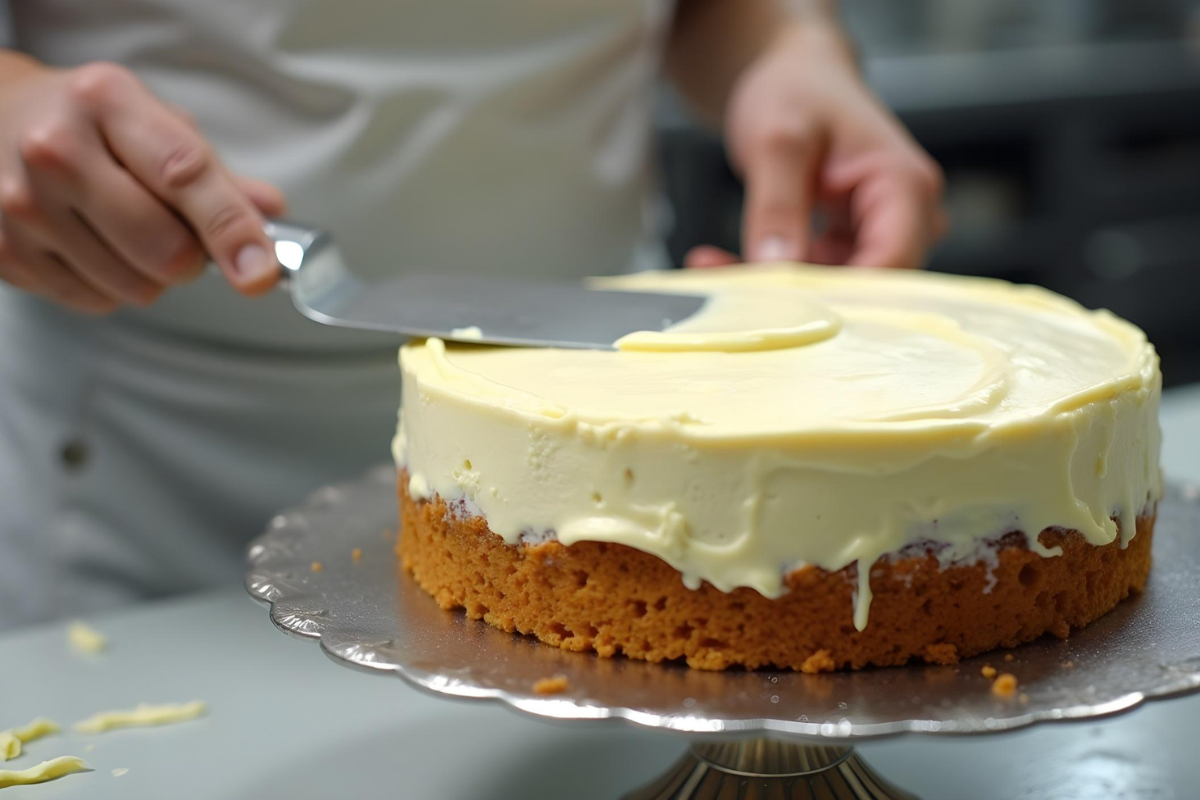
610 598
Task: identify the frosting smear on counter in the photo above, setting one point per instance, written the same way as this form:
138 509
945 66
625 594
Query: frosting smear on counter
807 415
86 639
141 716
13 740
45 771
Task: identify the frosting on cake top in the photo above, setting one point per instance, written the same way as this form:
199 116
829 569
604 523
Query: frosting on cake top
806 415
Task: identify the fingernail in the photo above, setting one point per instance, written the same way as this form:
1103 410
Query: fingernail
775 248
253 262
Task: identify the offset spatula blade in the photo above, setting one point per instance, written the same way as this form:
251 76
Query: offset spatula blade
503 310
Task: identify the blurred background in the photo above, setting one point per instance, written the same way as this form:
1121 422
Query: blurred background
1069 131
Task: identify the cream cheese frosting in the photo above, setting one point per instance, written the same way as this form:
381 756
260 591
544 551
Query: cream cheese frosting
13 739
45 771
807 415
143 715
85 639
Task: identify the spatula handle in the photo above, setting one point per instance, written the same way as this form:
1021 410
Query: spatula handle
295 242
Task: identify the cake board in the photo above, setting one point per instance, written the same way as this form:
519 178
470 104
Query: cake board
753 733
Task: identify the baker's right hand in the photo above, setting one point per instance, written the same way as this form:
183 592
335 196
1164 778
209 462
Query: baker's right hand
108 196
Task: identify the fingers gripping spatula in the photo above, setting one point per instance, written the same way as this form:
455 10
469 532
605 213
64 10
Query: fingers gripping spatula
486 309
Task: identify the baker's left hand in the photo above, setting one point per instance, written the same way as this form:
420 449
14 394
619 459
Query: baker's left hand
806 133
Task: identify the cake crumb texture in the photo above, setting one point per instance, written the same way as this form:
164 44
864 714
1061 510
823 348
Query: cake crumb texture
988 671
1005 685
612 599
555 685
942 653
819 661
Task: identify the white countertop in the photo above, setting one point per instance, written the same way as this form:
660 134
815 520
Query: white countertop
284 721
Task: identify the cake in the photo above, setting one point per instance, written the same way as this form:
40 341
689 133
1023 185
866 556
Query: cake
825 468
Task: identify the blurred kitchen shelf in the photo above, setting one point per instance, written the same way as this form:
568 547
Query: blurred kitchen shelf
922 84
936 83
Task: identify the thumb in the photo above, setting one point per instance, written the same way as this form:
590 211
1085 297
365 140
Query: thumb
780 176
271 203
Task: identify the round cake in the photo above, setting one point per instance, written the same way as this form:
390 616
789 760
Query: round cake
825 468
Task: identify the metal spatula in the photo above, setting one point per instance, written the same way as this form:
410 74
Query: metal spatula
491 310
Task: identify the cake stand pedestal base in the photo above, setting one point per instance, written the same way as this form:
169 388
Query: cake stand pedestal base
768 768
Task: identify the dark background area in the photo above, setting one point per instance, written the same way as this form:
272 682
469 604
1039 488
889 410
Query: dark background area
1069 132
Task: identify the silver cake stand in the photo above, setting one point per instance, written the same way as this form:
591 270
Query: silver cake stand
754 734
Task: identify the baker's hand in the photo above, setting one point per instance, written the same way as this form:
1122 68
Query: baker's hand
806 133
108 196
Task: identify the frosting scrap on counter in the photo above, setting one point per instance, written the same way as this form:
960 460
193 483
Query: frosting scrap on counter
11 740
804 416
45 771
143 715
119 771
36 729
86 639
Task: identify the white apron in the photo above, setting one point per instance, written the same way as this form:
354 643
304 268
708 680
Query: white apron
139 453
